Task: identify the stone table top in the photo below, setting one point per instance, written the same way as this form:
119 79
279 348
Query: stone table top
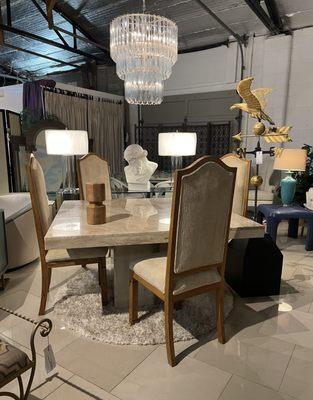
129 222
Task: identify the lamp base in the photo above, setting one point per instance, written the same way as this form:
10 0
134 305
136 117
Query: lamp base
177 163
288 189
70 179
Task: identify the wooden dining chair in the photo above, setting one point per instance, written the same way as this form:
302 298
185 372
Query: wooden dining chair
197 246
93 169
241 192
57 257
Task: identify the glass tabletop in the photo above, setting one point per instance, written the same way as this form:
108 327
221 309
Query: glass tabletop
153 191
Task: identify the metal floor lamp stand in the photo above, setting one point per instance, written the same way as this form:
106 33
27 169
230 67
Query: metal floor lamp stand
254 152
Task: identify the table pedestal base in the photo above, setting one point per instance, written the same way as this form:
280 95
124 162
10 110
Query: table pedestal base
124 256
254 267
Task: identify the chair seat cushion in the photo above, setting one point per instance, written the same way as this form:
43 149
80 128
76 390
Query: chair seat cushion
153 271
56 255
12 360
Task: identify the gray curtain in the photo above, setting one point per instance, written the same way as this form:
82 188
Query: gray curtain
105 127
104 122
70 110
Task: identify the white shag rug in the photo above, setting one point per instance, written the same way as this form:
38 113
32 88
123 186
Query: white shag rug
78 306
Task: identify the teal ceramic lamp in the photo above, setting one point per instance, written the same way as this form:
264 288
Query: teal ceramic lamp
290 160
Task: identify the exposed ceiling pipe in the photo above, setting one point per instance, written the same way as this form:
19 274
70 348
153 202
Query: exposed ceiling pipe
263 16
16 78
241 40
273 11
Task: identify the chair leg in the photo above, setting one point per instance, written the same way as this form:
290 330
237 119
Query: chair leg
168 311
45 284
133 301
103 281
220 315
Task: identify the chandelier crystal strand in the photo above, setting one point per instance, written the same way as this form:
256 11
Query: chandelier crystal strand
144 47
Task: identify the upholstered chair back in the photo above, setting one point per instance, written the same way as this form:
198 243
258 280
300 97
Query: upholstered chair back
93 169
40 203
202 203
242 181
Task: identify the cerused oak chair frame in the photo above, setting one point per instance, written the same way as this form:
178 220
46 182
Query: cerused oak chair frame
80 179
245 196
46 267
168 297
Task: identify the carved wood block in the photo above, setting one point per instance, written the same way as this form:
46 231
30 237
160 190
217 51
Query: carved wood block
95 195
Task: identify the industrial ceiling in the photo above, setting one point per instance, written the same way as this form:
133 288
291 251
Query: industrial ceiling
200 24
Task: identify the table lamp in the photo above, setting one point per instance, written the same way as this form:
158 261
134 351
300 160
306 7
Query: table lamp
67 143
290 160
176 145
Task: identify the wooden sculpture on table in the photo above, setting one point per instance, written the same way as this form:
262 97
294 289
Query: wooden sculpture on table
96 212
254 103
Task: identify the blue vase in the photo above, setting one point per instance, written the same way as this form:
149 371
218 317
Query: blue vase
288 189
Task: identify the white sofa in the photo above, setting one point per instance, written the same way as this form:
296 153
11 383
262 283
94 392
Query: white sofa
20 229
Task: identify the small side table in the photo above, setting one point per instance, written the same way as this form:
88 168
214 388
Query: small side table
274 214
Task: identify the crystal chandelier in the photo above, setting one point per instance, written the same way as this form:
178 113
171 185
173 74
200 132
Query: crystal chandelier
144 47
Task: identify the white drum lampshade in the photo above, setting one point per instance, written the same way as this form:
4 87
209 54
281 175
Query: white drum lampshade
66 142
177 144
291 160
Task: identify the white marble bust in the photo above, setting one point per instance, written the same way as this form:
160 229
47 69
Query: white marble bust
139 169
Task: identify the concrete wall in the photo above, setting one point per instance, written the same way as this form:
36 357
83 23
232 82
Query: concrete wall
284 63
205 71
300 91
268 61
197 108
11 98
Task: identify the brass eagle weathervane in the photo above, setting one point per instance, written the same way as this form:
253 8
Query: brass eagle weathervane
255 100
254 104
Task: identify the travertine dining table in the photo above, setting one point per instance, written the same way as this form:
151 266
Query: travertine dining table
135 228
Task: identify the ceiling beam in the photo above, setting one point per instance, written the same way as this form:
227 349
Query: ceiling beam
273 11
48 20
79 37
49 42
11 46
240 39
205 47
219 21
50 5
263 16
8 10
68 13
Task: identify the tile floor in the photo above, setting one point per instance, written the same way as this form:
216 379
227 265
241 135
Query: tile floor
269 353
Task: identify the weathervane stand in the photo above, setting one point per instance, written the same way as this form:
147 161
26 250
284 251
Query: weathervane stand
258 179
